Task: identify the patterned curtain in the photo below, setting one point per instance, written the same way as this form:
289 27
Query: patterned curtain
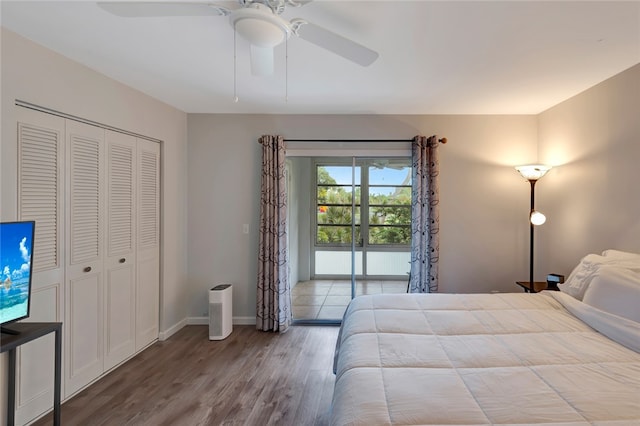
425 218
273 312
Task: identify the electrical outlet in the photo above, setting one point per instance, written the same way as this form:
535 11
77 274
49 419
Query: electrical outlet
245 228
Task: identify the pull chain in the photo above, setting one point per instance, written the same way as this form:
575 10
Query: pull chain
286 70
235 66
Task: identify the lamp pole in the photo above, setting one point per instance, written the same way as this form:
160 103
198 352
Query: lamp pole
533 184
532 173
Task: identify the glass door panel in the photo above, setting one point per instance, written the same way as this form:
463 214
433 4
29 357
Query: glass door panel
357 238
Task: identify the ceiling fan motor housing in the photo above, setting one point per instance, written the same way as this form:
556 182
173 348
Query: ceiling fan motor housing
260 26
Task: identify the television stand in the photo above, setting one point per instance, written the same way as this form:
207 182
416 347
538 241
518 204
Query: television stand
26 332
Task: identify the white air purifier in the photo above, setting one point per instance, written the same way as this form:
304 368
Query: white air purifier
220 315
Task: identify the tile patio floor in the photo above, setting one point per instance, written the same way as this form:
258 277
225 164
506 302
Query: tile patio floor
328 299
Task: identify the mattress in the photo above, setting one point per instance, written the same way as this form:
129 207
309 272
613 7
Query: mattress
485 359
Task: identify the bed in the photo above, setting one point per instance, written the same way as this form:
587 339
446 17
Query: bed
569 357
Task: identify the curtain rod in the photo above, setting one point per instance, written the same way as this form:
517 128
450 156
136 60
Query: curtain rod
441 140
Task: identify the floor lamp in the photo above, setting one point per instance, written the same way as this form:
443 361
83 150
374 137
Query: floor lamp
533 172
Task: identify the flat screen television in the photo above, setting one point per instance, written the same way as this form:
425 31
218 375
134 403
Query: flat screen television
16 266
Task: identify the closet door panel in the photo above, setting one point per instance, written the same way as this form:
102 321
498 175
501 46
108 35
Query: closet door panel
84 284
40 198
148 243
147 312
40 188
84 356
34 384
120 262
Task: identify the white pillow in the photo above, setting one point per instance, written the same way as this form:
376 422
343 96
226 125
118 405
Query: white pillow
581 276
618 254
578 281
615 290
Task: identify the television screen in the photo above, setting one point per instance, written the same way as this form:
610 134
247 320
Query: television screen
16 248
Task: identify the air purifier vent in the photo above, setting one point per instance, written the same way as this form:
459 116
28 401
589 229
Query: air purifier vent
215 319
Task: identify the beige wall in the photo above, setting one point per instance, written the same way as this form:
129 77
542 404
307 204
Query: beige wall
37 75
213 184
592 198
484 202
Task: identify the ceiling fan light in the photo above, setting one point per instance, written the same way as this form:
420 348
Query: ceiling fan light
259 26
260 33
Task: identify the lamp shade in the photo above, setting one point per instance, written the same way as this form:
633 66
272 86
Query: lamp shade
533 171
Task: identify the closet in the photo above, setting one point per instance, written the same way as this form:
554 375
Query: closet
94 193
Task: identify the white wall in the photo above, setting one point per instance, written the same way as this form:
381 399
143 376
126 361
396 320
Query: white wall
300 193
484 202
40 76
591 198
296 214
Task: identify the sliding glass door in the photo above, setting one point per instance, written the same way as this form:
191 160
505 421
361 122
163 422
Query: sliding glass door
362 208
358 232
338 226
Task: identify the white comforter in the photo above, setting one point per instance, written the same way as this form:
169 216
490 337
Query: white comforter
485 359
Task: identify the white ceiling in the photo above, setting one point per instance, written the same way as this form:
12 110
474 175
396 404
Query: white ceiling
448 57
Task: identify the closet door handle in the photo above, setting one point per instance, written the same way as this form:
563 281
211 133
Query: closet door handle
122 260
87 269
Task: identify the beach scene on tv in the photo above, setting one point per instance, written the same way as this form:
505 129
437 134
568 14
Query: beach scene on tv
15 264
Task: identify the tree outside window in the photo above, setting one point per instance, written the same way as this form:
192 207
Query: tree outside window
388 203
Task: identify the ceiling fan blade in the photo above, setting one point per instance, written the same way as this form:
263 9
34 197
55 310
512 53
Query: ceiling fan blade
335 43
261 60
142 9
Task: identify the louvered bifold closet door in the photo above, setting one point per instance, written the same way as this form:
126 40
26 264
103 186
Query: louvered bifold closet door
84 326
120 262
148 243
40 152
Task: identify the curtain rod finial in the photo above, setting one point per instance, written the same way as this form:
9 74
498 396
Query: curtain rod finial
443 140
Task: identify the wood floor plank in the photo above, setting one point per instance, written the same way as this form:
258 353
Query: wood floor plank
249 378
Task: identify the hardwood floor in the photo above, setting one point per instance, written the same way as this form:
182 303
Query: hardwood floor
250 378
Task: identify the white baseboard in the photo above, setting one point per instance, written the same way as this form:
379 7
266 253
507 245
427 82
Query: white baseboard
236 321
164 335
198 321
244 320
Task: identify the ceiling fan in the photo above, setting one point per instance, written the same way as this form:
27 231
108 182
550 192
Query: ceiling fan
257 21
